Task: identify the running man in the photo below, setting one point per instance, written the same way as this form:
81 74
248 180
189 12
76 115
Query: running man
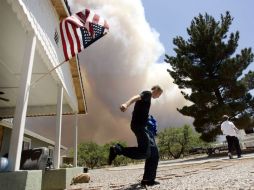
138 124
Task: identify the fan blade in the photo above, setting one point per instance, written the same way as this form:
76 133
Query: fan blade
4 99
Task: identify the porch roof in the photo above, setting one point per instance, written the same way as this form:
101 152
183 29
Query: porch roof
42 97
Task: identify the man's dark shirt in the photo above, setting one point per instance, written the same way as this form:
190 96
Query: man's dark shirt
141 109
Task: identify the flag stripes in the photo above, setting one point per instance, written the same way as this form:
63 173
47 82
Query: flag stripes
80 30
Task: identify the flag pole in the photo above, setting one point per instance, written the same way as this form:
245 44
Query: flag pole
35 82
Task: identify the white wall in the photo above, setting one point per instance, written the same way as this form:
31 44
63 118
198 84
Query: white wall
45 22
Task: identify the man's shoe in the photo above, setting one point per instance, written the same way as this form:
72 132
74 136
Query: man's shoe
149 182
230 156
239 156
112 155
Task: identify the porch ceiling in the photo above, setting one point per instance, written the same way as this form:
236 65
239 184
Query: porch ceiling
43 96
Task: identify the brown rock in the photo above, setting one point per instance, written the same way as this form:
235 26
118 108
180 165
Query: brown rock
81 178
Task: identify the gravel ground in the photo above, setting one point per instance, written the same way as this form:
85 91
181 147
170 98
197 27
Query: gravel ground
220 174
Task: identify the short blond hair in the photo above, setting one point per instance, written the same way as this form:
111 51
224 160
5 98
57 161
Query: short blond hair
157 87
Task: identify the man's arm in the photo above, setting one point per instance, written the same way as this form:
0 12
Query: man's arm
222 128
125 105
235 128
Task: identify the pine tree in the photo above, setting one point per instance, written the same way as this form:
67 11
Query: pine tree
207 64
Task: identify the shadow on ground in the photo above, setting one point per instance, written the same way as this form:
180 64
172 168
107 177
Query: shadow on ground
135 187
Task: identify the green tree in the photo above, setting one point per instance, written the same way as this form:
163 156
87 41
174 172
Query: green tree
90 154
174 141
196 141
207 64
248 80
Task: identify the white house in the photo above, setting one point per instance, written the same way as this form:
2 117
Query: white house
30 47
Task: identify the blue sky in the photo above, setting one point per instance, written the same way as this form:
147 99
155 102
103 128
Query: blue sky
171 18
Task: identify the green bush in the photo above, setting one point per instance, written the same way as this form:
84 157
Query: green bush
175 142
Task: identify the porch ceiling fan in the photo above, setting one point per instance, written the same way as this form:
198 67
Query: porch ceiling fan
4 99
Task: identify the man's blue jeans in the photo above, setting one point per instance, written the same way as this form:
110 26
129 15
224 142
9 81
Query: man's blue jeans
147 149
143 150
151 163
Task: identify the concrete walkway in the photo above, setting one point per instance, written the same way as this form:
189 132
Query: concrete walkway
196 173
186 161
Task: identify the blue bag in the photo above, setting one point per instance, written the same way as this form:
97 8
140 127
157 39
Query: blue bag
152 125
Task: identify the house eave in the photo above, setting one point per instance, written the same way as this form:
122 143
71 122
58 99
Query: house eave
62 11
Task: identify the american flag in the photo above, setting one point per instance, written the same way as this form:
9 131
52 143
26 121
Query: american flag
80 30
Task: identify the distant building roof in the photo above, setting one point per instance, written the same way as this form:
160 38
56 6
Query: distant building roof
8 123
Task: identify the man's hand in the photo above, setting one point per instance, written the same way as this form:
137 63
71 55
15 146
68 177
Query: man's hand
123 107
132 100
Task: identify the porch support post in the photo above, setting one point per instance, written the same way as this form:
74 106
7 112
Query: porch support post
58 127
75 161
21 105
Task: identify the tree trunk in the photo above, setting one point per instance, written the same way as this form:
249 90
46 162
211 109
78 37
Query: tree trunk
218 96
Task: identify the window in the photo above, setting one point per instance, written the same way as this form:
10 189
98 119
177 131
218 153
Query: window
26 143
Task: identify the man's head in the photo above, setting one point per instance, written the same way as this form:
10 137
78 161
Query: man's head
156 91
225 117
